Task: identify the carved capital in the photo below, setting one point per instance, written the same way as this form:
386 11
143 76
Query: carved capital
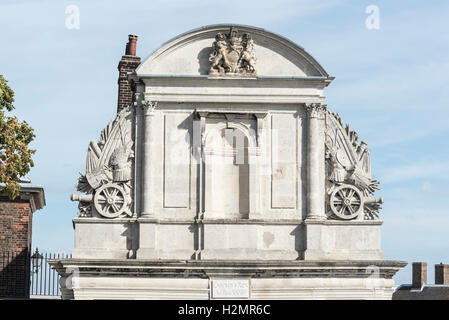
143 106
316 110
148 107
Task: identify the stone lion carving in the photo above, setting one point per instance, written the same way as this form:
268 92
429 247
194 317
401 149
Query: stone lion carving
232 54
107 183
350 185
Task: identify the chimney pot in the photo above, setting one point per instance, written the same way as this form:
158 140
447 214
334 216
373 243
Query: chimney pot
131 45
419 274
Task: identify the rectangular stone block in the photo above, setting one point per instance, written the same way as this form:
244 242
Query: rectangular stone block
177 158
230 288
166 240
283 161
252 241
340 240
111 240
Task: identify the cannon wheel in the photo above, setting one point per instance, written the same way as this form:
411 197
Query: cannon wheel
346 202
109 200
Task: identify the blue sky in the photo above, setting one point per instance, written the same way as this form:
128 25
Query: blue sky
391 86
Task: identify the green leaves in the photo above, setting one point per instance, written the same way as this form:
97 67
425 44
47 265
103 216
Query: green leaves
15 136
6 95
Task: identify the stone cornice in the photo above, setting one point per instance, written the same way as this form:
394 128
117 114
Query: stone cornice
34 194
317 80
207 268
263 90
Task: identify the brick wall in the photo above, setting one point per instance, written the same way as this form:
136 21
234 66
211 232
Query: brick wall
15 246
16 217
15 225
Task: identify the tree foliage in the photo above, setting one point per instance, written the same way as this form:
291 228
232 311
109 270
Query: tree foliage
15 136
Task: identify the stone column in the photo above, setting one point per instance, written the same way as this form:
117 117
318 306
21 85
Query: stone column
315 161
147 141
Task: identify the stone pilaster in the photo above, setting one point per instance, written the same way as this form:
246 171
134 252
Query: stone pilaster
148 108
315 161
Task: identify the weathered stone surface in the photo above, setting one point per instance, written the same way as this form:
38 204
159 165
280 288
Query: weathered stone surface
181 279
228 153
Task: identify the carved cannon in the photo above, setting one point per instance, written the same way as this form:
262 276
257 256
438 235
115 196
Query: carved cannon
82 197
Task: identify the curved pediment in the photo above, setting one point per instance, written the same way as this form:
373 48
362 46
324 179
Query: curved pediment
189 53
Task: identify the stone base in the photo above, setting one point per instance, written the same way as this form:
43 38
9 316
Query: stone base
206 279
343 240
97 238
227 239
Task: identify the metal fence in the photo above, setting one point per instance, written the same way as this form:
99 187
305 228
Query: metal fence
23 274
44 281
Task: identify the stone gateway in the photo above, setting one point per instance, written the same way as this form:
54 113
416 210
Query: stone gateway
224 175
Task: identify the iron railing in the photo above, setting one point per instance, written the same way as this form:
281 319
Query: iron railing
44 281
24 275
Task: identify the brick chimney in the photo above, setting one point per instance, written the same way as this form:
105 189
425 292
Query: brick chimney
128 63
419 270
442 274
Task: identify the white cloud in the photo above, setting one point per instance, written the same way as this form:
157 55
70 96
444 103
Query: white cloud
428 187
415 171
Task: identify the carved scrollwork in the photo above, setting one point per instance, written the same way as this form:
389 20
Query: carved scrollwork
232 54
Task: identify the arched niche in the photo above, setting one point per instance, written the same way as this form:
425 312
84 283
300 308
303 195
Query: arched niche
229 149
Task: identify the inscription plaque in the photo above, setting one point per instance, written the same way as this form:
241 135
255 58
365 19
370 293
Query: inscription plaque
226 288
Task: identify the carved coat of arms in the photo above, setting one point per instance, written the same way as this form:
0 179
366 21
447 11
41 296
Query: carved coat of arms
232 54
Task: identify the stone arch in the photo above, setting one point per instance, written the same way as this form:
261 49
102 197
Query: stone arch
188 54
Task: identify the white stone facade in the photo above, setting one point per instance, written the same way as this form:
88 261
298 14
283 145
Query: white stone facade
228 154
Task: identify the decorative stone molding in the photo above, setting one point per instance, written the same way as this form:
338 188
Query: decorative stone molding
230 116
148 107
174 279
232 54
315 110
142 106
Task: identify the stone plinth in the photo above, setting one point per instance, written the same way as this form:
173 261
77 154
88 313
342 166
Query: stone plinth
190 279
